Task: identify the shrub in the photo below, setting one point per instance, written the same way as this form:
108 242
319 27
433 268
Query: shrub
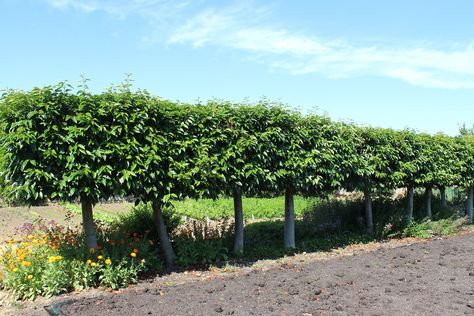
50 260
428 228
203 243
140 219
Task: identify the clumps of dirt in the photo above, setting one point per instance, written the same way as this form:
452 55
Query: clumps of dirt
423 278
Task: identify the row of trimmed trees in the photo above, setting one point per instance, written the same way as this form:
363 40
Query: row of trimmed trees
69 145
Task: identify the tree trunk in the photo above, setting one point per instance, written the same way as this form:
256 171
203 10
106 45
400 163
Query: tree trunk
470 198
165 243
289 229
369 222
239 223
410 193
429 198
442 192
88 223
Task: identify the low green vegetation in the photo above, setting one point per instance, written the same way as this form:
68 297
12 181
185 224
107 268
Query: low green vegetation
50 259
254 208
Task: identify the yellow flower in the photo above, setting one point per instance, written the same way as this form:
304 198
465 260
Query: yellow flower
93 264
108 261
26 263
100 257
89 261
15 269
59 258
52 259
30 236
133 254
30 276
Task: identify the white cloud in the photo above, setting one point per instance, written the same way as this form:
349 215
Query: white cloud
87 6
448 68
150 9
248 28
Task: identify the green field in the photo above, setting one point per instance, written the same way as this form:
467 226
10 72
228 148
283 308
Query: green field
254 208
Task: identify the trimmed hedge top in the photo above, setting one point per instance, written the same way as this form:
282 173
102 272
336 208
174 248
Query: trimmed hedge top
63 144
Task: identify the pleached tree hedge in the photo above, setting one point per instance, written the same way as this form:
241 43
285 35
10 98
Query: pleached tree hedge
54 144
72 145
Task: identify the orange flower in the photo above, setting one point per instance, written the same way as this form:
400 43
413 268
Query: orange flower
26 263
135 250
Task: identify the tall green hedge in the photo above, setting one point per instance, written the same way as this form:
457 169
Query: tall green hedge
69 144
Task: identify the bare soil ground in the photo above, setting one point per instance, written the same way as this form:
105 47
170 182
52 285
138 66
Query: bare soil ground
12 217
400 277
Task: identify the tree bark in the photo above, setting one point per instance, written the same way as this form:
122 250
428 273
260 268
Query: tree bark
289 228
442 192
165 243
239 223
470 201
429 198
410 193
369 221
88 223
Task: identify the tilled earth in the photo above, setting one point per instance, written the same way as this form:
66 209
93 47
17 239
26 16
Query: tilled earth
427 278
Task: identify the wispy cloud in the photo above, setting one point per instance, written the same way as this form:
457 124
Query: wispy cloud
249 29
416 63
151 9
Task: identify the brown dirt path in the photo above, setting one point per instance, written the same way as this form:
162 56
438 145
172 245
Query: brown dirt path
12 217
425 278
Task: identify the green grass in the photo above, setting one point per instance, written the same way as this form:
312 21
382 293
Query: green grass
98 214
254 208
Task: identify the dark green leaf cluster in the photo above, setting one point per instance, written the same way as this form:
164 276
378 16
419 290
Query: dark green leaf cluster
66 144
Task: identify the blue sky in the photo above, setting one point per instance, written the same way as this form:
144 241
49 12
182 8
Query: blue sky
383 63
